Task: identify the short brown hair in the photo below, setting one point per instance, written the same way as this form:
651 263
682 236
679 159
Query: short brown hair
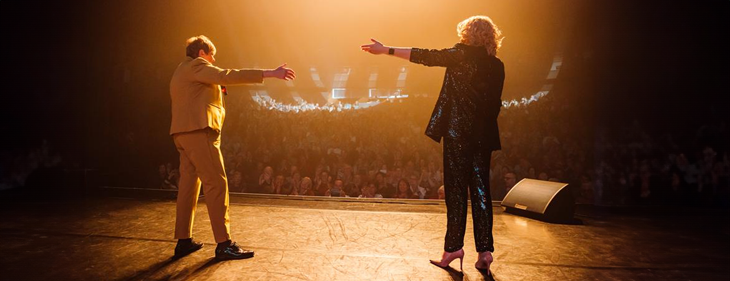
197 43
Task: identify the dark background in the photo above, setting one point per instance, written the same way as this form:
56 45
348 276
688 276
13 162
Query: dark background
82 75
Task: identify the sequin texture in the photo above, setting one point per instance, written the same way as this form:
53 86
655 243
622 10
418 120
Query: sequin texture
465 116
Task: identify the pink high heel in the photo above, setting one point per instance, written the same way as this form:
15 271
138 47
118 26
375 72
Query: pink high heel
448 257
484 261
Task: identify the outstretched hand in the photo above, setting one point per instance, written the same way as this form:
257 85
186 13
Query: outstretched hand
376 48
283 72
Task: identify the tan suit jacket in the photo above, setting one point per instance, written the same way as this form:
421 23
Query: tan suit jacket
197 100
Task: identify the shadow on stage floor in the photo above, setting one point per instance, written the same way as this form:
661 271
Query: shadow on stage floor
127 235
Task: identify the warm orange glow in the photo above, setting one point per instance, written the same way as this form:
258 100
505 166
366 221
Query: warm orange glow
326 35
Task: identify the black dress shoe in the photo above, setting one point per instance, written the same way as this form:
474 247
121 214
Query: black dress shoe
232 252
185 247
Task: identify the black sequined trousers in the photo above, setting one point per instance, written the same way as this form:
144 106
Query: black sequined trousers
466 175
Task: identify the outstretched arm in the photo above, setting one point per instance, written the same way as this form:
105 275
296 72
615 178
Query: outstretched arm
428 57
210 74
377 48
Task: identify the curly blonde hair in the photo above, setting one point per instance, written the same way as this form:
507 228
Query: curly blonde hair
480 31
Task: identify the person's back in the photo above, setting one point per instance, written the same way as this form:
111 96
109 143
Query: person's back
481 81
197 120
465 118
195 104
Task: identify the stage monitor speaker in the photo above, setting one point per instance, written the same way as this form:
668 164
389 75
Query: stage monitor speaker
542 200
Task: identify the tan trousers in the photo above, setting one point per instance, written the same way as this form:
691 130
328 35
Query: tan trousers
201 160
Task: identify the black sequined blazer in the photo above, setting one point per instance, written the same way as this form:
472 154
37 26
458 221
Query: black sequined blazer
471 94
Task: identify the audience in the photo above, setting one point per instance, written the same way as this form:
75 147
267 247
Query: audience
381 151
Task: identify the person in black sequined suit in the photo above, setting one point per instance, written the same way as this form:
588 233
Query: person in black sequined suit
465 117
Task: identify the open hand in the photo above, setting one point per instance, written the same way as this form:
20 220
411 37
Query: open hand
282 72
376 48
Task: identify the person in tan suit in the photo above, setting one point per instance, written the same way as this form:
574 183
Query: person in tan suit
198 112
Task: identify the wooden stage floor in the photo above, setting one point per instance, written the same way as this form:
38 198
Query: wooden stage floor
111 238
